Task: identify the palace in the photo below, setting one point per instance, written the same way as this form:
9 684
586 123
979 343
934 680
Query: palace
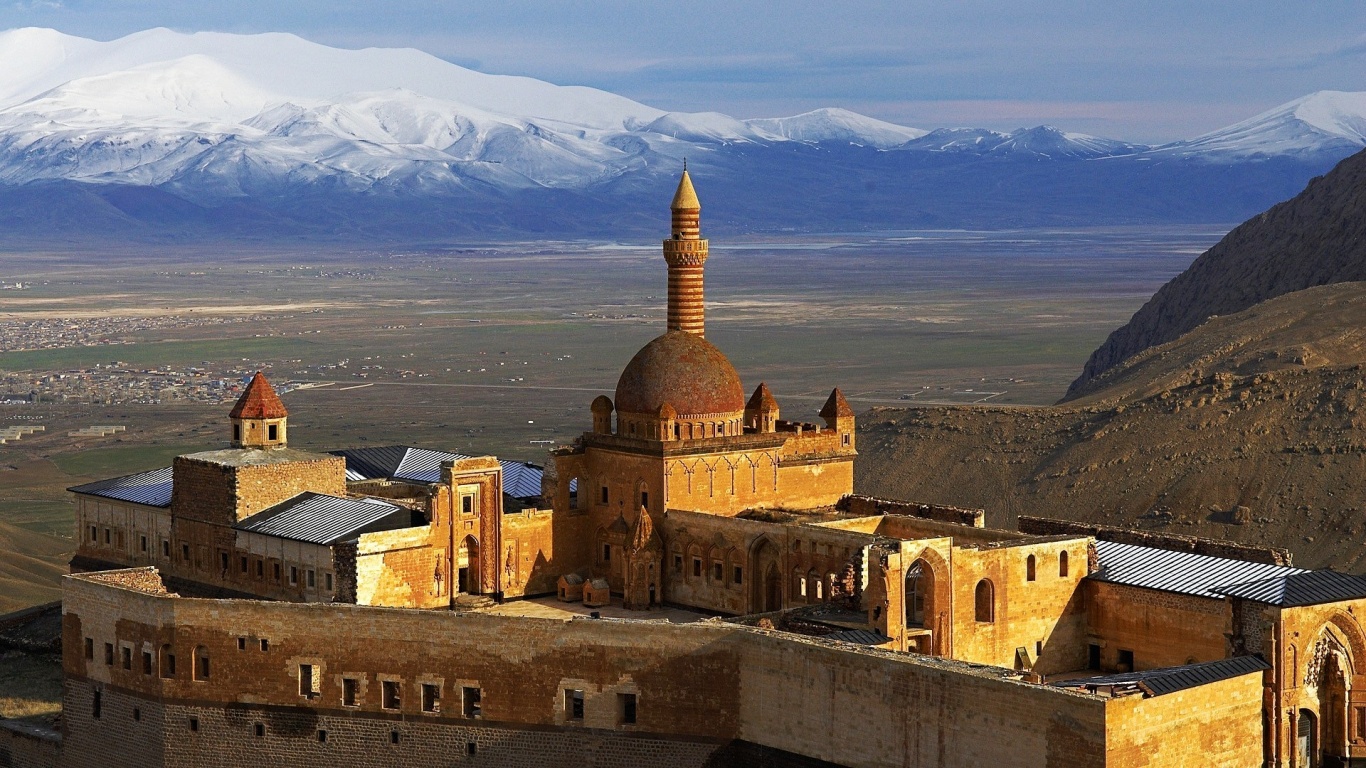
692 582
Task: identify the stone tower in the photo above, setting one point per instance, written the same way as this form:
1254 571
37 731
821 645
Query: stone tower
686 253
259 419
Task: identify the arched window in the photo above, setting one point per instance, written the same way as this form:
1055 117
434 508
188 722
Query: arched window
201 663
1062 563
1030 572
574 493
167 662
801 585
986 601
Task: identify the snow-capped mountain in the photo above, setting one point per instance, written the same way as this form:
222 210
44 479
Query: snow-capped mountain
1332 122
256 133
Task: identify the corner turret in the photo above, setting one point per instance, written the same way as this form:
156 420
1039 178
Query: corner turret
839 417
259 419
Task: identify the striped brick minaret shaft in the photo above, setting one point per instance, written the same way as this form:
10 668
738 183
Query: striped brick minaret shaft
686 253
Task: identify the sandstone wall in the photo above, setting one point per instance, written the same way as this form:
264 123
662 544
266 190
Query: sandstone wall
1215 724
1161 629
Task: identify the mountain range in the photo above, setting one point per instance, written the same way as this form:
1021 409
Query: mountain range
168 135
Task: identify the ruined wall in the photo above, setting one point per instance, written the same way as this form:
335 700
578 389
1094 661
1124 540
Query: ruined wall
1044 526
856 504
1161 629
399 568
1215 724
532 562
23 746
697 687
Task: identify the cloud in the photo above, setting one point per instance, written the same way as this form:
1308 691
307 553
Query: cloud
29 6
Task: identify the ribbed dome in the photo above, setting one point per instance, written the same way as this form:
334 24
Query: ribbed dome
684 370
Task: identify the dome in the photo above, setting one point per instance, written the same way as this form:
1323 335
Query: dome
683 370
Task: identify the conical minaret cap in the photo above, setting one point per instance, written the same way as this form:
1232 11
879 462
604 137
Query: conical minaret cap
685 199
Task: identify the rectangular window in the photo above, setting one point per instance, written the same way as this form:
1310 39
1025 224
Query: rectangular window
293 576
94 533
739 575
322 736
350 691
90 649
95 706
1126 661
260 729
604 494
166 549
466 505
109 654
168 668
311 579
277 572
607 553
678 563
627 702
185 552
106 535
273 432
223 562
697 567
391 694
716 571
1092 656
393 737
242 564
472 706
194 724
573 703
431 697
265 644
645 499
260 569
127 654
308 681
327 581
846 439
142 543
241 643
146 662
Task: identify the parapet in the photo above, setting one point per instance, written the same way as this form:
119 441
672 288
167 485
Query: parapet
1044 526
869 506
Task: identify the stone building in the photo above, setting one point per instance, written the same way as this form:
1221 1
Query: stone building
261 604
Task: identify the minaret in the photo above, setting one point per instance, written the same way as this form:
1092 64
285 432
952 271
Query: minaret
685 253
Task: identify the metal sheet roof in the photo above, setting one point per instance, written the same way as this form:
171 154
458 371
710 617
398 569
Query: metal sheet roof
321 519
1182 572
521 480
1310 588
1156 682
859 636
151 488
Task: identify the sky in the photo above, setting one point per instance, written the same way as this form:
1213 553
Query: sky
1147 71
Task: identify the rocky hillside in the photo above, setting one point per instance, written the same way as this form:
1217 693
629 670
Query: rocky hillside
1316 238
1251 428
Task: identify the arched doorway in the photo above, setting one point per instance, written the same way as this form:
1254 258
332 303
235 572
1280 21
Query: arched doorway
1307 740
1327 679
919 594
467 563
766 588
1333 713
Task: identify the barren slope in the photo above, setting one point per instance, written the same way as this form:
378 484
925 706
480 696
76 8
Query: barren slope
1263 409
1316 238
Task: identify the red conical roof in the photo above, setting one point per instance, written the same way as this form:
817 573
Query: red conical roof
836 405
259 401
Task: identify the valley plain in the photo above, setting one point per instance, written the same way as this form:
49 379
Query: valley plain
499 348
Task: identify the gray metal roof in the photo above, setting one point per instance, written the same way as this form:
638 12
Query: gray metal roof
151 488
1156 682
521 480
321 519
1182 572
1310 588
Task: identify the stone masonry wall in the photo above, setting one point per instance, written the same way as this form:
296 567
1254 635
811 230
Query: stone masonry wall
1160 629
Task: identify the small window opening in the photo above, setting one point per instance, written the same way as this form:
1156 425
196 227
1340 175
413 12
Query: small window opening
165 549
106 536
241 643
127 658
350 689
738 575
1093 656
137 715
628 708
265 644
94 533
223 562
242 564
312 578
277 572
697 567
678 563
985 602
471 748
1126 661
472 705
1030 564
716 571
90 651
607 553
308 681
142 543
201 663
260 569
95 705
466 505
391 698
237 432
167 660
194 724
645 499
327 581
146 662
273 432
393 737
260 729
431 697
604 494
293 576
1062 564
322 736
573 703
